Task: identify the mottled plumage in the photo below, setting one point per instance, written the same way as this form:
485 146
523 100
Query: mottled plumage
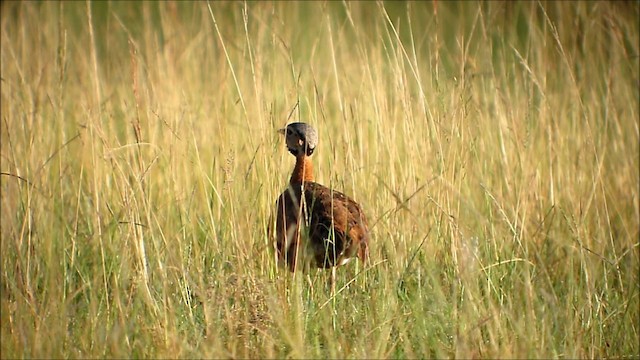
316 226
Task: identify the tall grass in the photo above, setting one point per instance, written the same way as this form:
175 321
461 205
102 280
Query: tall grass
494 147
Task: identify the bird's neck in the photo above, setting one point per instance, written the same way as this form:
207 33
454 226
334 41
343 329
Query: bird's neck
303 171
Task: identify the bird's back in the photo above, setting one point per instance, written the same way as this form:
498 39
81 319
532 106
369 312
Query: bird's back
333 228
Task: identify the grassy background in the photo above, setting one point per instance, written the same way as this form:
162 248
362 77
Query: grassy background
494 147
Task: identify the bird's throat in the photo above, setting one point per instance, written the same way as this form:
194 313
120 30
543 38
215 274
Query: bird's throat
303 171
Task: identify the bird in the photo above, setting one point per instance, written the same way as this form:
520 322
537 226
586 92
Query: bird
316 227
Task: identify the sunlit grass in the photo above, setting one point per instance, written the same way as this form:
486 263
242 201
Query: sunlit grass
493 146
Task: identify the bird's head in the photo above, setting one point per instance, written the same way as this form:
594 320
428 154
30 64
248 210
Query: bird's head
301 138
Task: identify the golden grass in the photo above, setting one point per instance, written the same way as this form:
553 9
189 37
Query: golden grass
494 146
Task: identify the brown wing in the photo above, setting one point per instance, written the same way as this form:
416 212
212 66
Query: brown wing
287 231
335 228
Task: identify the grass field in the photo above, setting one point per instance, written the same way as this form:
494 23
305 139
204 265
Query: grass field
494 148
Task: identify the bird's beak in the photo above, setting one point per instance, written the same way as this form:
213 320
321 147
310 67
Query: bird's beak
281 131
